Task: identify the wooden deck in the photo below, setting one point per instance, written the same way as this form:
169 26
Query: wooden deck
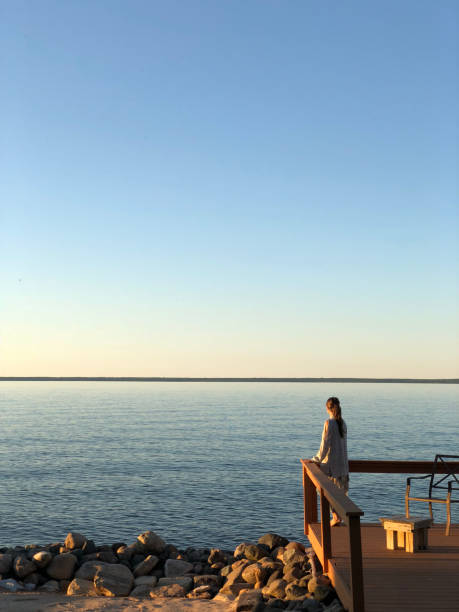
395 580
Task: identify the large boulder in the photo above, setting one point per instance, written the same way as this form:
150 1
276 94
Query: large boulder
293 572
62 566
52 586
151 542
9 584
293 591
216 556
42 559
142 590
255 573
275 589
177 567
79 586
250 601
74 540
114 580
146 566
89 569
23 566
6 563
207 580
272 540
149 581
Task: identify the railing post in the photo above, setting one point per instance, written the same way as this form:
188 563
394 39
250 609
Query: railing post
355 550
325 529
310 501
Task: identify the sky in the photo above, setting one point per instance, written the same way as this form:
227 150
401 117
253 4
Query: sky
229 188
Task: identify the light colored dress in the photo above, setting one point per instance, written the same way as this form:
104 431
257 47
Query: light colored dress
332 454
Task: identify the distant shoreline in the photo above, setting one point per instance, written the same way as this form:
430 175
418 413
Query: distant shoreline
429 381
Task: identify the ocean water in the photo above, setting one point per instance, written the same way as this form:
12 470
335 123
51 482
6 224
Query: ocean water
202 464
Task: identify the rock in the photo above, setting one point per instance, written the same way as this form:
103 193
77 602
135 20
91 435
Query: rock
225 571
151 542
278 554
125 553
250 601
88 547
224 598
272 540
276 589
176 567
186 582
35 578
311 605
293 572
204 591
292 556
275 576
6 563
216 556
42 559
207 580
172 552
30 586
276 604
235 588
107 556
64 585
79 586
217 566
9 584
335 606
62 566
88 570
74 540
254 573
293 591
114 580
320 580
145 567
150 581
171 590
143 590
296 546
321 593
252 552
52 586
23 566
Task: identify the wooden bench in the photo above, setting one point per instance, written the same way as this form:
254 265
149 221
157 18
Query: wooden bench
408 533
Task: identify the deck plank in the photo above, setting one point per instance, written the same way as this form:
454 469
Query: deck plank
399 581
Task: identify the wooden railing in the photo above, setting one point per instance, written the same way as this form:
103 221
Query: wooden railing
314 480
350 588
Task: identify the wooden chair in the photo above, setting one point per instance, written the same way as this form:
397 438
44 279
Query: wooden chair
442 478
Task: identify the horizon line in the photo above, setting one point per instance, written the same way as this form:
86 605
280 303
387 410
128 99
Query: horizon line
225 379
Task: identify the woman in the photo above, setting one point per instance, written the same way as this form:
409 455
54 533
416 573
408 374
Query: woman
332 455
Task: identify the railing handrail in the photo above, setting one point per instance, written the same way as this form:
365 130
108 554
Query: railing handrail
339 501
399 467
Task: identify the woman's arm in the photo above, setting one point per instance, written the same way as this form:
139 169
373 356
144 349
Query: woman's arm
324 445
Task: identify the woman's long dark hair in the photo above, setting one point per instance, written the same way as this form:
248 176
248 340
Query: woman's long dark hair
335 408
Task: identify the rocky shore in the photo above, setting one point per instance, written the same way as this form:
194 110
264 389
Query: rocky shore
271 574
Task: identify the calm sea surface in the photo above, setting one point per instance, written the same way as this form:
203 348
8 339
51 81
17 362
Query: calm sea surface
209 464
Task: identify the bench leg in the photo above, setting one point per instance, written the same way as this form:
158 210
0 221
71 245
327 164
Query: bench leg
418 539
409 543
390 539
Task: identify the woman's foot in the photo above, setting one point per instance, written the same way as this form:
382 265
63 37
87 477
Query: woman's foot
335 522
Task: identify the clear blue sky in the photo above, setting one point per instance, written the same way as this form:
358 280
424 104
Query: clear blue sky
234 188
